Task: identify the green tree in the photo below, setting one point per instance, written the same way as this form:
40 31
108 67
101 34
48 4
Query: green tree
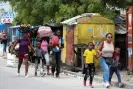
39 12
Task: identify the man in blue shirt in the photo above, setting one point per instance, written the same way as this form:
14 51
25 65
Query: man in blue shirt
56 55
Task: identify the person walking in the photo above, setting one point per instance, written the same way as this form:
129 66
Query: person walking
114 68
38 58
4 42
44 46
89 56
22 53
56 43
106 49
12 43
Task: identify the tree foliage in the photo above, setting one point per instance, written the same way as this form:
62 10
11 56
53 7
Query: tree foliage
39 12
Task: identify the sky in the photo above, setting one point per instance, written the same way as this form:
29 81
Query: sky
6 6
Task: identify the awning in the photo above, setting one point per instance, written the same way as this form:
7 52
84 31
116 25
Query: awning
120 28
120 25
88 18
17 26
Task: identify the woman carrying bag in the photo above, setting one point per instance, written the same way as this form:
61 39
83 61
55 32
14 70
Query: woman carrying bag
106 49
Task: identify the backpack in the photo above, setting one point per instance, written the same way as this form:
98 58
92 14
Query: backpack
54 41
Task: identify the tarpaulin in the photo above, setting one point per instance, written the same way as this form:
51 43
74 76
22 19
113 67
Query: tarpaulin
2 26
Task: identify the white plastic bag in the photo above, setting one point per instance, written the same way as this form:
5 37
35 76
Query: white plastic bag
11 56
11 60
10 63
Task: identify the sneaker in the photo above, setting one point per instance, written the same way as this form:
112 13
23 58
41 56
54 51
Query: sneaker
84 82
18 74
26 76
107 85
91 86
121 85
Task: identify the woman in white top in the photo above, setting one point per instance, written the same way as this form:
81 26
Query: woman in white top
106 49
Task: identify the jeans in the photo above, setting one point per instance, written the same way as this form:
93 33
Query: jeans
105 67
4 47
56 61
34 42
116 70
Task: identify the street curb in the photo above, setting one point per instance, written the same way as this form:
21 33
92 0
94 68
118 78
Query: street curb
97 78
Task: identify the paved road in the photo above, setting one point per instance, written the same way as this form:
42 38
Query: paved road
9 80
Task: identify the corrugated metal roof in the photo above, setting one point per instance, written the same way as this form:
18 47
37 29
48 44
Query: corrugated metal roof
17 26
96 19
87 18
71 20
120 29
120 25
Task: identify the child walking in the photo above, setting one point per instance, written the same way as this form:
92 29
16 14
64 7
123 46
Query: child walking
89 55
114 68
38 57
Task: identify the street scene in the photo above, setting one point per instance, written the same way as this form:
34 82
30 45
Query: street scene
70 44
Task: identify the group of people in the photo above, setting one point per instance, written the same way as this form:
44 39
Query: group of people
44 47
106 52
109 61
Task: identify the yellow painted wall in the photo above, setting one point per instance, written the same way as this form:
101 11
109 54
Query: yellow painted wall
64 49
86 31
76 35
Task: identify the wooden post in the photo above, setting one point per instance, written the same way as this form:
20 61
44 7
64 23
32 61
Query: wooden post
130 38
82 58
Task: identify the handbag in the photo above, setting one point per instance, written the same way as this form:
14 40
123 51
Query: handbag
108 60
